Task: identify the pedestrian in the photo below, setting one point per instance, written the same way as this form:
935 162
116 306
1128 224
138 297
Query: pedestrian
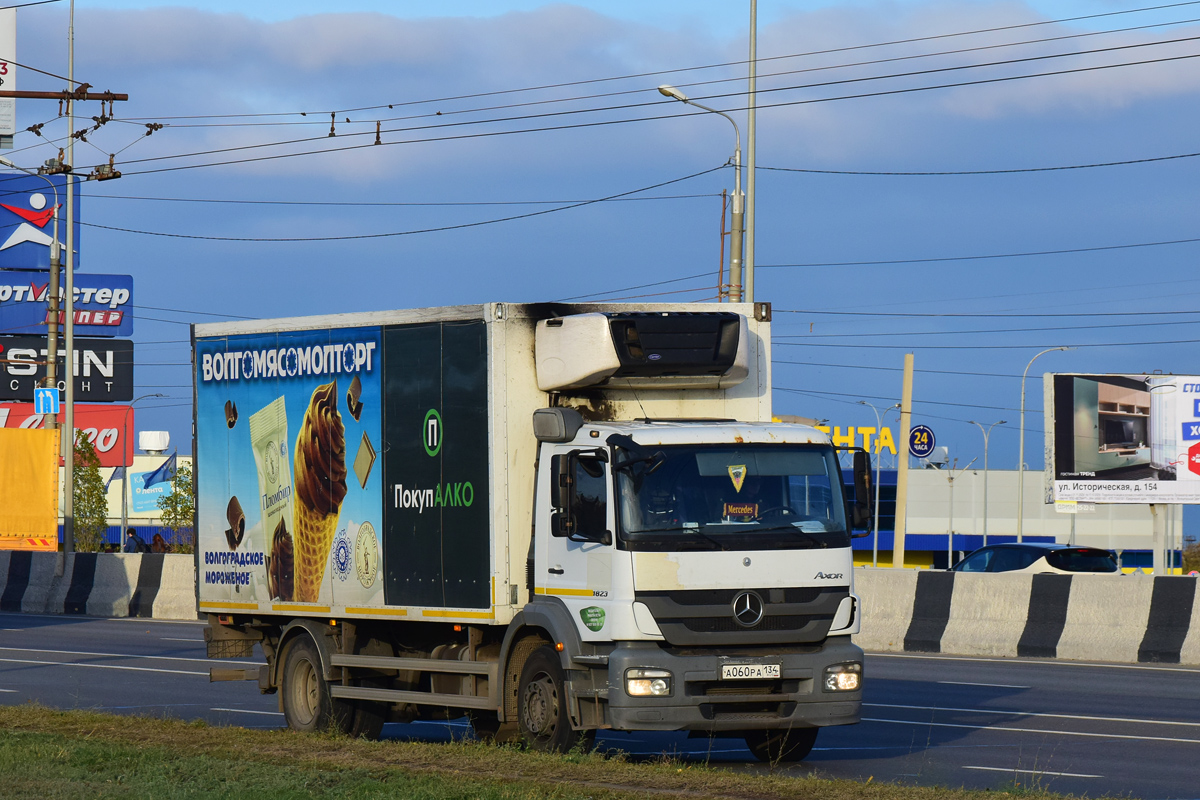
134 543
159 545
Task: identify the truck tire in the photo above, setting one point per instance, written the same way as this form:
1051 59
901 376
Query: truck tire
542 714
365 717
781 746
307 703
488 728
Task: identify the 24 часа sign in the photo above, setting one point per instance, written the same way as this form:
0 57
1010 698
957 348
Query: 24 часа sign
1123 438
103 368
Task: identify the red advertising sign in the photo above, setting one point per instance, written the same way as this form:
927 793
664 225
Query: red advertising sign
108 427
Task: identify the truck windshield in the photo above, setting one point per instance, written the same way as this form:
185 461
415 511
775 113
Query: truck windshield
731 498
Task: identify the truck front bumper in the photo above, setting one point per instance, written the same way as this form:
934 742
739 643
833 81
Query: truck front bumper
700 700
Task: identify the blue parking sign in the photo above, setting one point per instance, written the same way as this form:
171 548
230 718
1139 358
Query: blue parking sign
45 400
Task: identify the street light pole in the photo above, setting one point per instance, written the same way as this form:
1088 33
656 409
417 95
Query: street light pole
125 467
878 464
986 434
950 533
736 235
1021 455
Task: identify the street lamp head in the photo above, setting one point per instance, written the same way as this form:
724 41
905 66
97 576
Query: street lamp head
667 90
1002 422
5 162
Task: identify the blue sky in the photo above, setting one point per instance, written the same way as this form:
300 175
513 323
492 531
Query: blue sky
849 322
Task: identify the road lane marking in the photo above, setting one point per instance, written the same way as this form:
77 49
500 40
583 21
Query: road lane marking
9 691
1037 772
1038 714
988 685
126 655
98 666
1034 662
249 711
1034 730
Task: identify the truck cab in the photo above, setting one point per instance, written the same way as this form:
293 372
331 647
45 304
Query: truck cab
705 568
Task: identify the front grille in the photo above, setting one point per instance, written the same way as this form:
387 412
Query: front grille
705 616
721 624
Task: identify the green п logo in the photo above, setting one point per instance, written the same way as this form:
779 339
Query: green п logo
432 432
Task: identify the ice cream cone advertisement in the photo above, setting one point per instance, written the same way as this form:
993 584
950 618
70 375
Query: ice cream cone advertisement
294 420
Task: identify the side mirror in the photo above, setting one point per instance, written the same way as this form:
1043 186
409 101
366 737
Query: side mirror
864 492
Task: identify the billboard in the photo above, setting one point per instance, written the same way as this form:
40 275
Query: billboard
27 220
145 499
103 368
289 506
1122 438
103 303
8 74
345 467
29 490
110 428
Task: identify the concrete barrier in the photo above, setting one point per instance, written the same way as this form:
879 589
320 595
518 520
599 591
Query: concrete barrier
1121 618
99 584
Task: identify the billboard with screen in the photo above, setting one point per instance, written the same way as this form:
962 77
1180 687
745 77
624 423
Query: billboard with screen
1123 438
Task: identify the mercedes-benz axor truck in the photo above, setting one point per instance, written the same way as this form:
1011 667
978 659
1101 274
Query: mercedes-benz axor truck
549 519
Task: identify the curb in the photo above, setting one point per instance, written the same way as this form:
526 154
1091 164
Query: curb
151 585
1126 619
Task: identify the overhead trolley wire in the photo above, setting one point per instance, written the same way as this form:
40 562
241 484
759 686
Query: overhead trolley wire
387 234
1073 345
631 76
983 257
317 121
602 123
661 103
983 171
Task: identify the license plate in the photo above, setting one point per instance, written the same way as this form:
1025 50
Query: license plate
749 671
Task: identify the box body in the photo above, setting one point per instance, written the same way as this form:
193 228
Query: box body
431 421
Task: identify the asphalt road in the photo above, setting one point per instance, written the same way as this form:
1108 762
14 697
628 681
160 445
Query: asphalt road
986 723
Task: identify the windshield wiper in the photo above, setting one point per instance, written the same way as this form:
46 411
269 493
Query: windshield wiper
683 528
792 528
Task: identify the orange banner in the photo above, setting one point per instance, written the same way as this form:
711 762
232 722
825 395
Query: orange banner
29 489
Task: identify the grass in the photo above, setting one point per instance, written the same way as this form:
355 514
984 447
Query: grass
52 754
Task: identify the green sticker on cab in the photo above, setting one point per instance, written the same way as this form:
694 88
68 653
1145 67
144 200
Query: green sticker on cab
593 617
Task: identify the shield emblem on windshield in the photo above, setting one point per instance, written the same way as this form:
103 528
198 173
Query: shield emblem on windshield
737 474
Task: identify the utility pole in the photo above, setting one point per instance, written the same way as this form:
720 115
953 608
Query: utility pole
750 148
69 332
902 467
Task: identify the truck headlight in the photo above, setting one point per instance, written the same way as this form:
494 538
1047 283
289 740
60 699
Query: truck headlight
843 677
647 682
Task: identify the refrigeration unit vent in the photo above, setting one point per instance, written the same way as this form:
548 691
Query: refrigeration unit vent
642 350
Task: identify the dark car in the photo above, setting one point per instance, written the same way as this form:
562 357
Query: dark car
1063 559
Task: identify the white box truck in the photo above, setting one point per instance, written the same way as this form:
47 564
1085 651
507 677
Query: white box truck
548 518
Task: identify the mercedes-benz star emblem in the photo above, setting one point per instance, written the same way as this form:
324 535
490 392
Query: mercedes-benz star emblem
748 609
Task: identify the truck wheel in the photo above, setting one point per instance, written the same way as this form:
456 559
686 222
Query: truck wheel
786 745
542 706
365 717
488 728
307 704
